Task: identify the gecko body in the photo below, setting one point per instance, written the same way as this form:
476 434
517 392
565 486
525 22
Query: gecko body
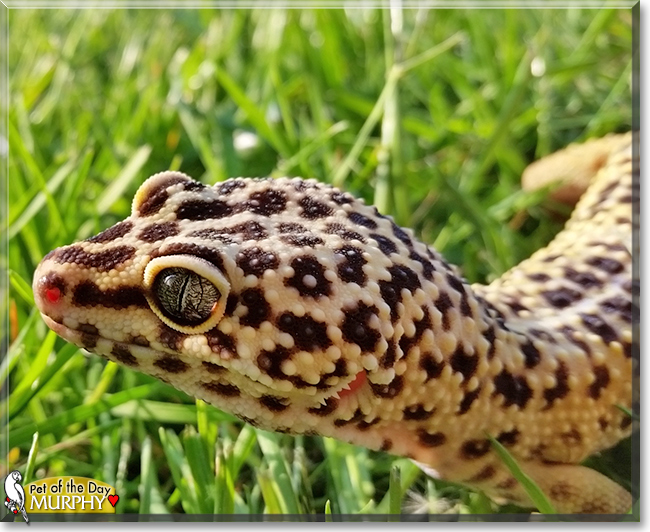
300 309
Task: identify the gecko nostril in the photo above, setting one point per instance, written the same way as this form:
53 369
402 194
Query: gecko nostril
53 295
51 287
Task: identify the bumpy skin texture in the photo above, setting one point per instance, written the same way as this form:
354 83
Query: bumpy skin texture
332 320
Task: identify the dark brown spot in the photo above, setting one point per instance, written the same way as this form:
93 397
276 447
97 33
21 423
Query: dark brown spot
465 309
531 354
227 187
390 356
602 380
340 369
568 332
313 209
258 308
170 338
484 474
357 416
159 231
140 340
102 260
249 230
266 202
417 412
89 341
309 277
605 264
365 425
516 305
157 196
464 363
221 343
508 438
543 335
302 240
275 404
325 410
195 210
88 328
600 327
250 421
421 326
386 445
212 368
362 220
507 484
300 185
584 279
392 389
571 438
343 232
171 364
432 367
473 449
515 390
291 227
404 277
456 283
562 297
255 261
621 306
401 234
468 400
206 253
431 440
625 422
561 388
88 294
227 390
356 328
351 269
112 233
627 350
603 423
427 265
308 334
539 277
212 234
341 197
443 304
270 362
193 186
490 336
124 356
386 245
392 295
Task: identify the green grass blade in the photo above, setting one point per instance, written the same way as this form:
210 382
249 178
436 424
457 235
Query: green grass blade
534 492
78 414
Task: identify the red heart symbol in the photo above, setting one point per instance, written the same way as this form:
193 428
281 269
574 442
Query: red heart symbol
113 499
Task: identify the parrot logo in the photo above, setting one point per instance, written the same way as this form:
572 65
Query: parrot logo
15 494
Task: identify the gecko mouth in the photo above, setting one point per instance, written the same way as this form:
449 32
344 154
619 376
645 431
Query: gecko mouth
140 356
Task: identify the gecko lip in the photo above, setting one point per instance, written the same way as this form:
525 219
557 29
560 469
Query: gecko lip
58 327
80 338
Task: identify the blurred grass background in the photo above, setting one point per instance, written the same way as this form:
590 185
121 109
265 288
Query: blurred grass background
430 114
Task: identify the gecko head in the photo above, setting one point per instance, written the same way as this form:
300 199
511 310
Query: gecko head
267 298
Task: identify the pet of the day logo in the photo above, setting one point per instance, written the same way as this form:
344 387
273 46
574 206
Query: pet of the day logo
15 494
65 495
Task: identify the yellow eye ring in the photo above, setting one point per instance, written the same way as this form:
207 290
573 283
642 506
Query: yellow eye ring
187 293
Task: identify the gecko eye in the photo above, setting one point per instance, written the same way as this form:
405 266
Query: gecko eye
187 293
184 296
